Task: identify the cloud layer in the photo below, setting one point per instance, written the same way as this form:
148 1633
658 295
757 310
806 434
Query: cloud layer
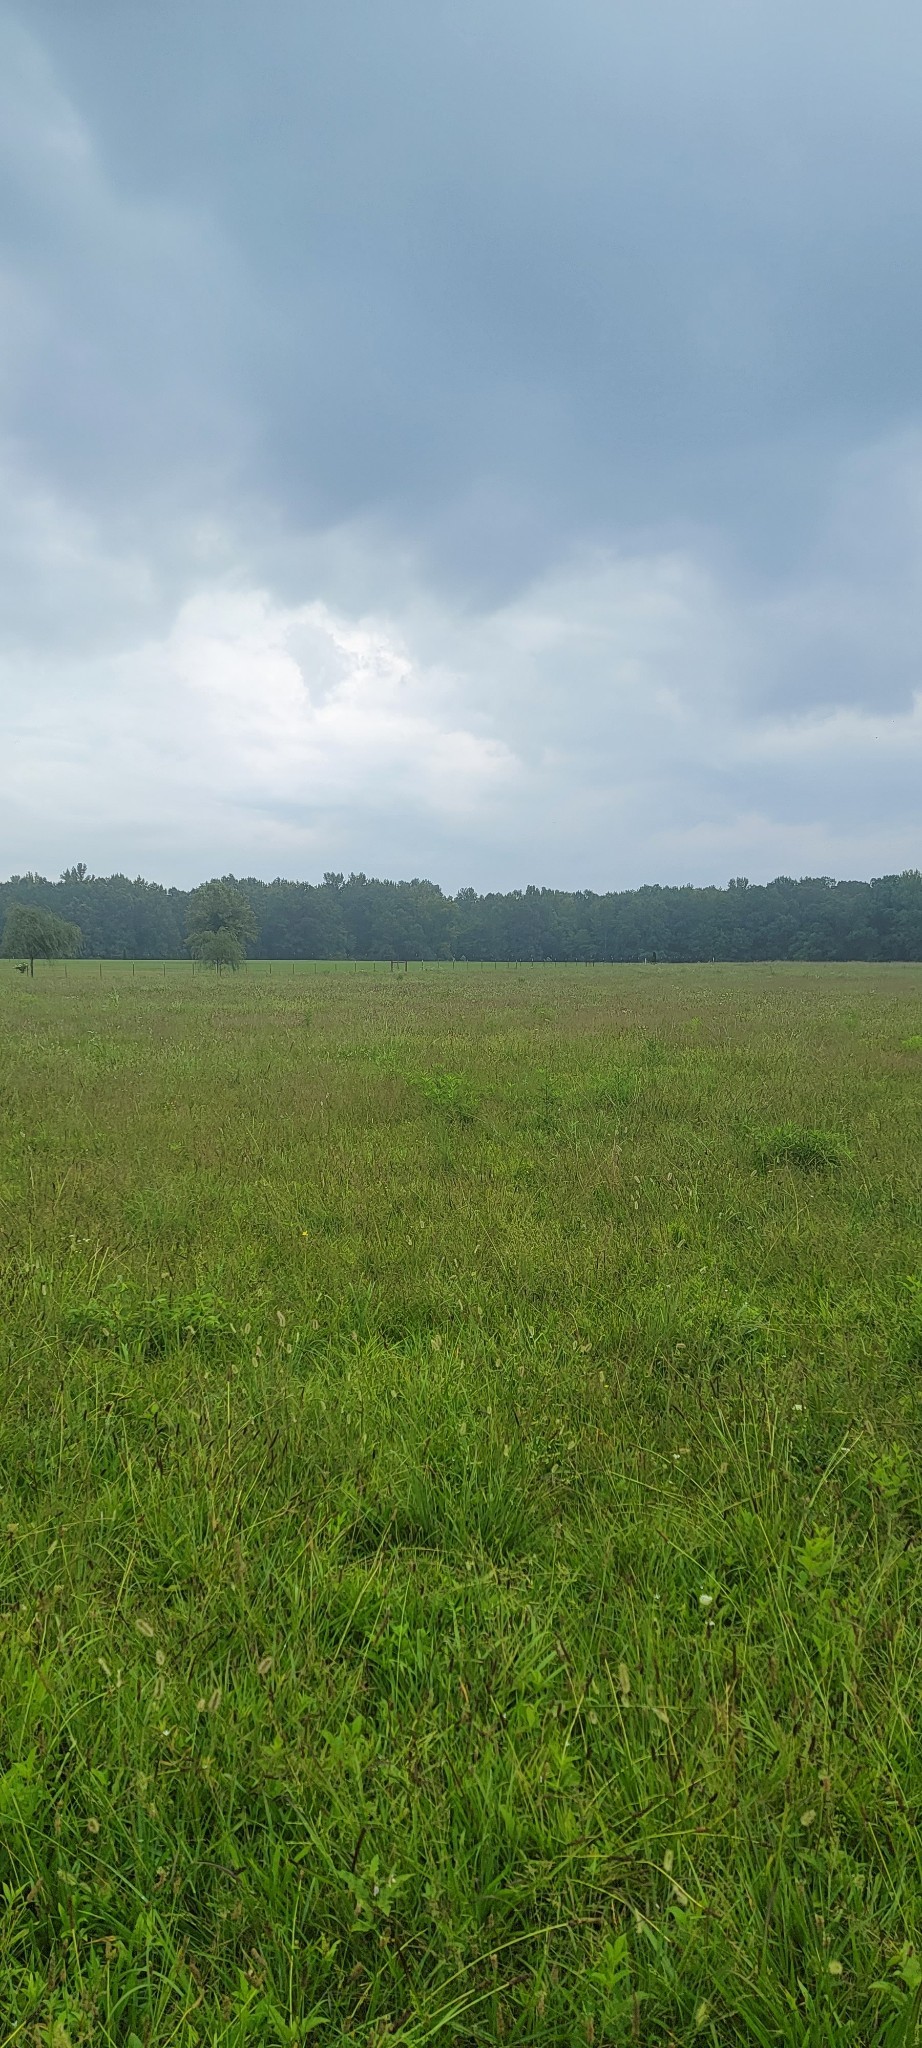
480 442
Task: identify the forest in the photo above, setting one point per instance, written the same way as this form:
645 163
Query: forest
362 918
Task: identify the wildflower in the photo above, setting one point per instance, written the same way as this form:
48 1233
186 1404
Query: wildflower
834 1968
705 1599
807 1819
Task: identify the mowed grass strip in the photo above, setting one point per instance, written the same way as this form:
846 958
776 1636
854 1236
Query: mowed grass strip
459 1537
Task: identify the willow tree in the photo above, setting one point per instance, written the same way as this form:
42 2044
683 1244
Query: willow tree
33 934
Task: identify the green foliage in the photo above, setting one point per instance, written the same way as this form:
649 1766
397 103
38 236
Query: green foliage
460 1579
33 934
811 1150
120 1317
450 1095
221 949
618 1089
360 917
219 924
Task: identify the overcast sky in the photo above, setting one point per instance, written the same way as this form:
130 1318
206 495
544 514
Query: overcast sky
470 438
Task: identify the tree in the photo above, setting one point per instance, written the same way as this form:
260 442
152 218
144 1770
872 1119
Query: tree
32 934
217 910
221 949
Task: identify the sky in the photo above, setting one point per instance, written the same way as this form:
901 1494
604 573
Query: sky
481 442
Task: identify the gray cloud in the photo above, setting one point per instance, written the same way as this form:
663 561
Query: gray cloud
480 440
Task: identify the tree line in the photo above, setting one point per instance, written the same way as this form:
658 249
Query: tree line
360 917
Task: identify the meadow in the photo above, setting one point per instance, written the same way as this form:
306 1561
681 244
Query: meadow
460 1569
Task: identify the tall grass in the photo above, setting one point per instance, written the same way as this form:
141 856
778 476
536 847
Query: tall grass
459 1538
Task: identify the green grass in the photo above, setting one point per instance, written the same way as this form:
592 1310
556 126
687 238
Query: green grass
460 1569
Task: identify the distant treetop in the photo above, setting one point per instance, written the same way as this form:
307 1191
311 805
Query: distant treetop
357 916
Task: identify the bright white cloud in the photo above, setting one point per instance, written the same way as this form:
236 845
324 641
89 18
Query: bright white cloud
602 726
304 707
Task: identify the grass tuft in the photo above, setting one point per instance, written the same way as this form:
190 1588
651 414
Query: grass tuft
811 1151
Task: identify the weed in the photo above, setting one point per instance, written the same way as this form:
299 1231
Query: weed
147 1326
450 1095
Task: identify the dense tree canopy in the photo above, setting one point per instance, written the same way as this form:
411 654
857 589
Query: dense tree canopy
221 949
219 924
358 917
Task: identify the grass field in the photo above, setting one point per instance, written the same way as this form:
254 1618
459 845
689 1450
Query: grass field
460 1569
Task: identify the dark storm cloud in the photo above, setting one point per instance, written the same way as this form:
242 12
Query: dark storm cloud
479 323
